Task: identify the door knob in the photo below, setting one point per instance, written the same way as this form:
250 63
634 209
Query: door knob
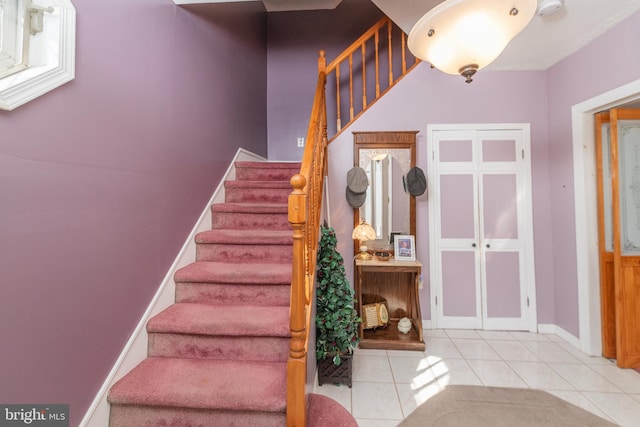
488 245
473 245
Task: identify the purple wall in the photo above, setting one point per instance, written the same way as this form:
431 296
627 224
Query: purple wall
608 62
294 41
102 179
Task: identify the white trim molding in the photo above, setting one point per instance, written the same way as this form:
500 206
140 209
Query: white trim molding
586 218
51 57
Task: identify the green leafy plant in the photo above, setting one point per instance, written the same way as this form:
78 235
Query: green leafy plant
336 319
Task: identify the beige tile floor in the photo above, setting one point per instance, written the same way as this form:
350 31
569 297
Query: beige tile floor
389 385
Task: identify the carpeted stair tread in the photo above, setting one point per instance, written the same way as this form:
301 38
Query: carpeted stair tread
261 349
204 384
254 208
203 319
250 216
270 165
245 237
230 273
263 191
266 171
234 294
153 416
267 185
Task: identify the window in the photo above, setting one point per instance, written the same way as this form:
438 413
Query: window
14 37
37 48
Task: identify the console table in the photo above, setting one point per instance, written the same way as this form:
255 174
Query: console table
396 283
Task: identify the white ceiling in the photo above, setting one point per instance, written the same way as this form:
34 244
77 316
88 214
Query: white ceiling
545 41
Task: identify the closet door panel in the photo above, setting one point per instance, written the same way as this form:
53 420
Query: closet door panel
459 284
503 284
499 150
455 151
457 206
500 206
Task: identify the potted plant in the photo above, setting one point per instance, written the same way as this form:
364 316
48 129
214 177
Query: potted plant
336 319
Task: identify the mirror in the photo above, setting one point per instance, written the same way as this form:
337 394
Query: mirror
386 157
386 207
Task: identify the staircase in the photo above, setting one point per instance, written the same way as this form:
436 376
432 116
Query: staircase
218 355
224 353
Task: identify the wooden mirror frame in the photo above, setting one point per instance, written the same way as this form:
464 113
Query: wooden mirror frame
389 140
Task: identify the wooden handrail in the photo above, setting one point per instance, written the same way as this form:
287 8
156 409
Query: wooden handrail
356 44
304 215
305 201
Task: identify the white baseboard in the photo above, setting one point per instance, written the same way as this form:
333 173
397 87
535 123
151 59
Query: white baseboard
136 348
542 328
555 329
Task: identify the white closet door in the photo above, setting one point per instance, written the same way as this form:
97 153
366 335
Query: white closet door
480 223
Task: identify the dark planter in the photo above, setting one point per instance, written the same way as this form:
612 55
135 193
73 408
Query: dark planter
329 372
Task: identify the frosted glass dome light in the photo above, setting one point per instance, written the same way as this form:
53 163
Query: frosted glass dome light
464 36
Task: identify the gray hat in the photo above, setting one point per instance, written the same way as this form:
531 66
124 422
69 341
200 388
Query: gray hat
415 182
355 200
357 180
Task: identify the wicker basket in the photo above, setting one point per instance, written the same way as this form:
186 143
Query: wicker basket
330 373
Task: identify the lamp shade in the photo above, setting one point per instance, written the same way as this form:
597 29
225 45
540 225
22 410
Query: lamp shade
363 232
463 36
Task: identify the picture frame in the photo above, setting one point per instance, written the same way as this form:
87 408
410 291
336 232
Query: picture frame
404 248
392 236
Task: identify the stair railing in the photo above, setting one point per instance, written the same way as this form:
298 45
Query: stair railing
305 201
382 50
305 204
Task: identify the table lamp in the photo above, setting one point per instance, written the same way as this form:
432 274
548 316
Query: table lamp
362 233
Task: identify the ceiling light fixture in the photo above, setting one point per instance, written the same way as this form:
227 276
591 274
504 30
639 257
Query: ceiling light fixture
464 36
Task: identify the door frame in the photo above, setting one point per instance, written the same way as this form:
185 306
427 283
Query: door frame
585 210
527 218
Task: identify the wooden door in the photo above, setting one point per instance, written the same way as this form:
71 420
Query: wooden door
624 135
480 239
605 234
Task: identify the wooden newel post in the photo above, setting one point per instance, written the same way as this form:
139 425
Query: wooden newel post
322 61
296 364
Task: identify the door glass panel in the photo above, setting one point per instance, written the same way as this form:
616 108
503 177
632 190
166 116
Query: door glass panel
503 284
606 182
459 283
457 206
500 206
499 151
629 154
456 151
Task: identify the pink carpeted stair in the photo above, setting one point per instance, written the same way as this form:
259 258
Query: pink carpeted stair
217 357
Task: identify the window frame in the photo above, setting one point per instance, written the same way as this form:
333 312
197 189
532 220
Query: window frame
50 61
14 38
